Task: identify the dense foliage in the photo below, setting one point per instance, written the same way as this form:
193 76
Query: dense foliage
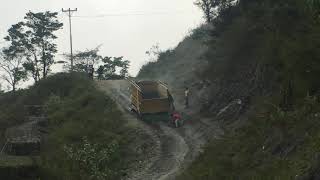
104 67
31 48
280 138
84 125
86 136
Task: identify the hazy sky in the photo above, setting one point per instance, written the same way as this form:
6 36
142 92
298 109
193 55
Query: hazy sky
123 27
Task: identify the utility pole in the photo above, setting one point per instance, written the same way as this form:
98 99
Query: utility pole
69 11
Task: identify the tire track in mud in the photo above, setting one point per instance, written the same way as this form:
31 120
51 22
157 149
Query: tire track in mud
173 152
115 90
173 149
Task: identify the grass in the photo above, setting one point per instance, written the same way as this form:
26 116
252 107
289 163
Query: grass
16 161
272 145
266 49
84 125
18 167
279 141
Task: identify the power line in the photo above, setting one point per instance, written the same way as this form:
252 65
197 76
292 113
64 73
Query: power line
131 14
69 11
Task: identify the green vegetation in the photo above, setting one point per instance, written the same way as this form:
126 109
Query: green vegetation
148 70
272 145
15 161
87 137
37 42
11 111
31 48
271 48
12 167
33 39
264 52
107 67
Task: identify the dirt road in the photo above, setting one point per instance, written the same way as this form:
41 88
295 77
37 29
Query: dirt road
171 149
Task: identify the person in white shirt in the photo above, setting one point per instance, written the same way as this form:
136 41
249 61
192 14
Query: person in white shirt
186 96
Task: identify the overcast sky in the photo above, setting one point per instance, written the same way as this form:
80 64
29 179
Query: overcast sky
123 27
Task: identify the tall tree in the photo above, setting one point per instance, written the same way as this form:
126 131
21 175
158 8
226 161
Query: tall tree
11 63
40 28
314 5
107 67
207 6
124 68
154 52
111 65
12 57
85 58
211 8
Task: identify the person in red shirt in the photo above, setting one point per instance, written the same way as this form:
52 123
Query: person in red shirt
176 118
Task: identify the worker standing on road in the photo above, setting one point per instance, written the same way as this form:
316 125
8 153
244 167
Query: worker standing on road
90 71
186 96
171 101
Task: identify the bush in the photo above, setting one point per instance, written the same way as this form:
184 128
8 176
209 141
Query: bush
86 136
95 159
86 133
268 49
276 145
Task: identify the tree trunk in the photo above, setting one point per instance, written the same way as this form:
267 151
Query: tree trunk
208 17
14 86
44 73
36 74
207 10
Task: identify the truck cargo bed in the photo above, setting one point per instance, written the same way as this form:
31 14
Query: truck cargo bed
149 97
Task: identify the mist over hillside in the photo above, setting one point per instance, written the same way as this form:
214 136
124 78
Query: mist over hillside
254 71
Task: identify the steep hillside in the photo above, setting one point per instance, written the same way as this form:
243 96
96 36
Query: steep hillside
85 137
180 67
260 80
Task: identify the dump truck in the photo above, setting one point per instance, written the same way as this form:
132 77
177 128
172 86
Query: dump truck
150 97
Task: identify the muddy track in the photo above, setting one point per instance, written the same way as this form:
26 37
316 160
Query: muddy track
173 149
